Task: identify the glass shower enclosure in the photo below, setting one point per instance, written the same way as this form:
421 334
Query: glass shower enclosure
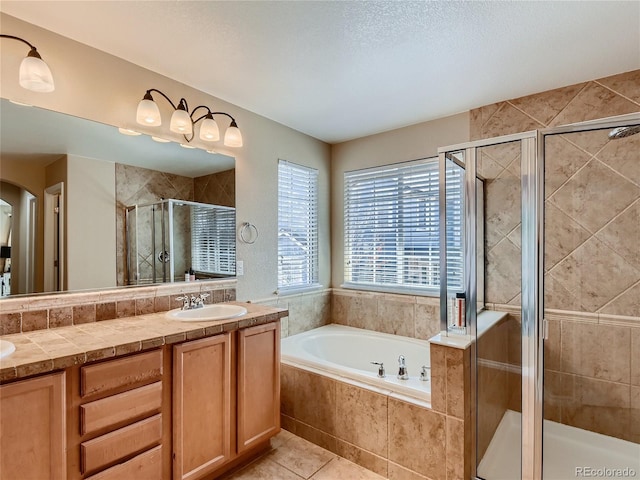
167 239
556 345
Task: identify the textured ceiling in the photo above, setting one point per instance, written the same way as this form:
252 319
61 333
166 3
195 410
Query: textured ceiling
338 70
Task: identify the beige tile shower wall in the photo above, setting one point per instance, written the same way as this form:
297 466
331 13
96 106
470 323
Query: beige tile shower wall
138 186
217 188
406 315
592 228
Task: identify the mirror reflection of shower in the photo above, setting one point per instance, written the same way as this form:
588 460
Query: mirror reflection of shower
174 240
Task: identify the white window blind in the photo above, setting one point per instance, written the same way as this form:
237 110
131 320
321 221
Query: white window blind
213 239
391 223
297 226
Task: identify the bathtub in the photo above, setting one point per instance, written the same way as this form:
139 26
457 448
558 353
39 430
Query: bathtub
345 353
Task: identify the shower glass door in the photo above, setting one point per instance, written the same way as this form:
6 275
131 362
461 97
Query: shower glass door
591 303
493 227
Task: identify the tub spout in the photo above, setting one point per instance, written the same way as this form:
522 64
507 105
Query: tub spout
402 369
424 373
381 373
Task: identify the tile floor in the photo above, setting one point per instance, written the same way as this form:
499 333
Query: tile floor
294 458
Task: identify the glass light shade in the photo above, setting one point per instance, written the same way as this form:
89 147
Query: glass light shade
148 113
128 131
181 122
233 137
209 131
35 75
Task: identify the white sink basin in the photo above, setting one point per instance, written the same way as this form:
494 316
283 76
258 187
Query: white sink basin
207 313
6 348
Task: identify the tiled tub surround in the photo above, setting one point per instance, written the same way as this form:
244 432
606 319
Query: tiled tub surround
395 438
29 313
407 315
307 310
52 349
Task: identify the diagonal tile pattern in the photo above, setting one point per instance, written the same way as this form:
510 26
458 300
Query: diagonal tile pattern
592 191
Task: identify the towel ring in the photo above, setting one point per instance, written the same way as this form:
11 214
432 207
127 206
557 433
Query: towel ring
252 233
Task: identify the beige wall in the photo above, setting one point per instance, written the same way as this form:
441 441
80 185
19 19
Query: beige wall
403 144
87 87
91 223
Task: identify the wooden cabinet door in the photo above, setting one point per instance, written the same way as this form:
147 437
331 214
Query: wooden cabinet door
32 426
201 406
258 384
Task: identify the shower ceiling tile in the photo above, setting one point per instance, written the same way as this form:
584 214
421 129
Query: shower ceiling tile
623 235
503 273
627 304
623 155
625 84
594 101
546 105
595 195
562 235
595 274
596 351
562 160
509 119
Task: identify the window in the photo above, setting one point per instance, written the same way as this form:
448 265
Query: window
213 240
391 224
297 226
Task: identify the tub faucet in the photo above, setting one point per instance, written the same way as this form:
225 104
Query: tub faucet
424 373
402 369
381 373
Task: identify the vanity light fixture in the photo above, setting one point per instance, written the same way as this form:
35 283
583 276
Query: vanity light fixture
35 75
183 122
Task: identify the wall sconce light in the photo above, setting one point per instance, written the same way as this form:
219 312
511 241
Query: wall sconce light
35 75
183 122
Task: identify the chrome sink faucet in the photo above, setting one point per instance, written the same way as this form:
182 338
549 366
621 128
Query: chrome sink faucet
402 369
195 301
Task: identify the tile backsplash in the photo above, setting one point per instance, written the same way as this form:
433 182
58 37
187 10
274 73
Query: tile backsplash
28 313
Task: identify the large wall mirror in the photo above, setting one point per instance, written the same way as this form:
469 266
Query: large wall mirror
83 206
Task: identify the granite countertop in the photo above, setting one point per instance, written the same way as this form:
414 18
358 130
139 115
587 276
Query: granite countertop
42 351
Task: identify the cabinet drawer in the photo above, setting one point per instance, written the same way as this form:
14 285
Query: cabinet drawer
107 449
146 466
122 408
124 372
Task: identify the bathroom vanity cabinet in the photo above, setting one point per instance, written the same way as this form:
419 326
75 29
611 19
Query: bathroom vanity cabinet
32 426
210 378
202 396
184 411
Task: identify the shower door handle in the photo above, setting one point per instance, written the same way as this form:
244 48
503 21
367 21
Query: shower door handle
545 329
